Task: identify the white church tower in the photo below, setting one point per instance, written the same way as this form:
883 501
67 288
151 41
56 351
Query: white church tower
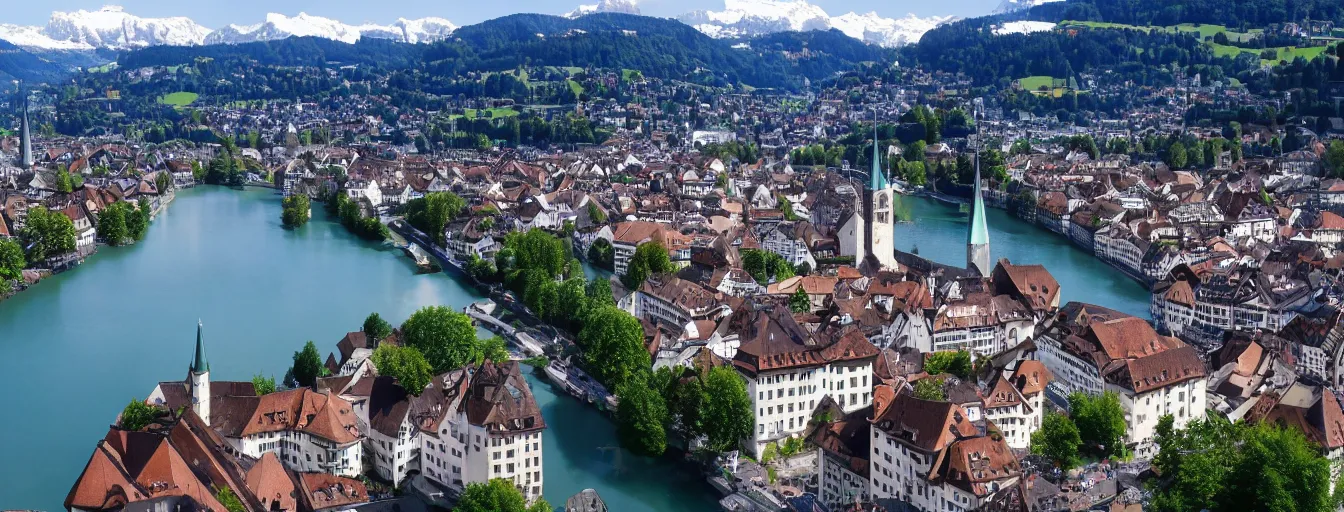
879 203
200 380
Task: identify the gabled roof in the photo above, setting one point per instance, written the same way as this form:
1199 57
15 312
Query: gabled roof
927 425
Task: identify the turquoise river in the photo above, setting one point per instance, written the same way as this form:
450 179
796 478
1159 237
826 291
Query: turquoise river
77 347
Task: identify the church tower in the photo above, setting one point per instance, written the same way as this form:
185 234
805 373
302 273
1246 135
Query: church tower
25 139
878 205
977 234
200 380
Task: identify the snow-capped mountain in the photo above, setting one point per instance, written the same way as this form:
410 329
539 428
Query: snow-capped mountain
113 28
747 18
109 27
1020 5
279 26
621 6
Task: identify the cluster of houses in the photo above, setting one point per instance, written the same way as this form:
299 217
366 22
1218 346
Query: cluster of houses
310 448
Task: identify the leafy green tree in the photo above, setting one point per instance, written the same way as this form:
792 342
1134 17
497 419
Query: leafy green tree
1058 439
726 415
263 385
294 211
47 233
1222 466
613 346
1176 156
799 302
137 415
599 294
137 219
493 349
572 302
375 328
112 224
1100 420
498 495
307 365
231 503
406 364
640 417
649 259
956 363
1334 158
431 213
765 266
11 260
931 389
445 337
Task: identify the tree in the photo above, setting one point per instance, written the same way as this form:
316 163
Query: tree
112 224
137 219
431 213
613 346
445 337
294 211
599 294
497 495
1100 420
1217 465
640 417
1176 156
726 416
263 385
375 328
307 365
493 348
931 389
406 364
650 258
1058 440
138 415
956 363
1334 158
11 260
47 233
231 503
765 266
799 302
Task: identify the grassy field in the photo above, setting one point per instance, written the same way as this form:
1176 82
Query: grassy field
490 113
575 86
1285 53
179 99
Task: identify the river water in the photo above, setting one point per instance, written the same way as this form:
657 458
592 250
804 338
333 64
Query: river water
938 231
76 348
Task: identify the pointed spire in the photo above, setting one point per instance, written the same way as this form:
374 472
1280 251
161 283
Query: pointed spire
877 180
25 139
198 364
978 234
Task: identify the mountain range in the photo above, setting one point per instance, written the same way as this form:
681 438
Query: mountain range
111 28
750 18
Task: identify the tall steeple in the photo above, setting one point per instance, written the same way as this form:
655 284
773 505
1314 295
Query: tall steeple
878 179
977 234
199 379
879 220
25 139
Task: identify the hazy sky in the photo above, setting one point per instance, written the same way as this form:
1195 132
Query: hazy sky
215 14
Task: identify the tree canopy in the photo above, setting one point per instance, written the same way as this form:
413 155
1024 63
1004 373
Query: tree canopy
406 364
11 260
956 363
137 415
498 495
375 328
1101 422
307 365
1058 440
640 418
445 337
294 211
613 346
47 233
650 258
431 213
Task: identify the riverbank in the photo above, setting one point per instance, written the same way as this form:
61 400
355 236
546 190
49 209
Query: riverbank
222 255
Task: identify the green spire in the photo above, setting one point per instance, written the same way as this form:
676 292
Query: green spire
978 234
199 365
877 180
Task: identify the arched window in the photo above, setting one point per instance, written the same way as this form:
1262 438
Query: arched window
883 201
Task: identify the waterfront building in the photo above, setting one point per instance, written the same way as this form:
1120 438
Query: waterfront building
627 236
932 456
1101 350
1016 403
789 370
671 302
394 438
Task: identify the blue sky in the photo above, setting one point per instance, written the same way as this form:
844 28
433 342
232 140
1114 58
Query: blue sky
216 14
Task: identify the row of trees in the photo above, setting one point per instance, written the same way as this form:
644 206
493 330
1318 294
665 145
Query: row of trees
431 213
47 233
348 211
765 266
